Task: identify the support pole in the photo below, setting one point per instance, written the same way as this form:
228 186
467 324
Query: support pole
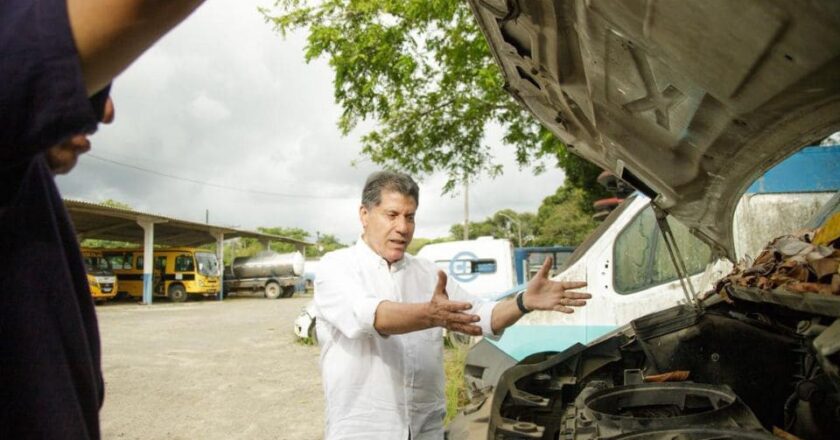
220 255
265 244
148 260
466 208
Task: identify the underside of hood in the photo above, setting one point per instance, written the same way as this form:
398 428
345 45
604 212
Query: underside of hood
689 101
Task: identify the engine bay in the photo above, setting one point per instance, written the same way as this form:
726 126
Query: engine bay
729 370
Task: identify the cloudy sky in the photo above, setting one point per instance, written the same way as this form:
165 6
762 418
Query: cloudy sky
224 99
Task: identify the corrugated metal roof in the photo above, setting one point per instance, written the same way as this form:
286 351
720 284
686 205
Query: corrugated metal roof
94 220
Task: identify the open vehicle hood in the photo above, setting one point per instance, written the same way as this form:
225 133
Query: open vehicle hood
687 101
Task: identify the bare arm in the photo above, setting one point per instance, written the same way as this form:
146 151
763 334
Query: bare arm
541 294
393 318
111 34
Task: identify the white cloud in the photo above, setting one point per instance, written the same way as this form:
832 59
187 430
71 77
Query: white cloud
207 109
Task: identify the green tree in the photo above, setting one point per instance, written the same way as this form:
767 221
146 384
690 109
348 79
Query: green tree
282 247
506 223
418 243
564 218
246 247
423 72
115 204
240 247
327 243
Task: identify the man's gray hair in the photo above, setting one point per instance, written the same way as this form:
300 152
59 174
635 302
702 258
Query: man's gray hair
390 181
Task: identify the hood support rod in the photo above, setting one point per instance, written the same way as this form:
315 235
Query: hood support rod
676 257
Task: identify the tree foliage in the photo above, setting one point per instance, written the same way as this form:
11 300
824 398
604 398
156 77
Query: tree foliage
327 243
519 228
418 243
564 218
423 72
246 247
282 247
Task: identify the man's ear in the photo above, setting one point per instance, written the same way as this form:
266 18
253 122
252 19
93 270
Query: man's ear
363 216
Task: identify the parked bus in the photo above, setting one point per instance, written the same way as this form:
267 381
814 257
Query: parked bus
178 272
100 275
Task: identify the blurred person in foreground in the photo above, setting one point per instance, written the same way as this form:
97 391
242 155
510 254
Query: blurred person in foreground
380 317
57 60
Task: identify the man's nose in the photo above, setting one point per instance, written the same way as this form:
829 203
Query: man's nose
402 225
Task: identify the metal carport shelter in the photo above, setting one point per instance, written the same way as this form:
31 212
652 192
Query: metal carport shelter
96 221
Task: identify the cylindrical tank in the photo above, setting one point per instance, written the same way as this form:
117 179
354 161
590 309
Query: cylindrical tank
268 264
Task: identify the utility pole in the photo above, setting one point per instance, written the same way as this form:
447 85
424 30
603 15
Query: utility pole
466 207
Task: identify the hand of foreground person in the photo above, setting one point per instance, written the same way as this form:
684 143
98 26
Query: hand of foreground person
62 158
544 294
449 314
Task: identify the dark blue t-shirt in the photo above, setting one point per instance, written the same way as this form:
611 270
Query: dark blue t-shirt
50 374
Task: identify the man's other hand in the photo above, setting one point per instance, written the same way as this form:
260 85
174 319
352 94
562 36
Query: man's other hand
544 294
451 315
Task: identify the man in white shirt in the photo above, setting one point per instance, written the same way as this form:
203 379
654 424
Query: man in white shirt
380 315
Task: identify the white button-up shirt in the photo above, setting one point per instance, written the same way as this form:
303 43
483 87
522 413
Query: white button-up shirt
380 387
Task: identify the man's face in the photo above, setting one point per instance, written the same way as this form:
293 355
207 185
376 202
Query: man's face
389 226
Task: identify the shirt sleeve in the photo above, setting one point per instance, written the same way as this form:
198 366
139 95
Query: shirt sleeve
43 99
342 300
481 307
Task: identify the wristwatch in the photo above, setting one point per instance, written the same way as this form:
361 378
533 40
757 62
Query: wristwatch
520 303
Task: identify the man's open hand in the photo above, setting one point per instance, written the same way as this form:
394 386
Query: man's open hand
544 294
451 315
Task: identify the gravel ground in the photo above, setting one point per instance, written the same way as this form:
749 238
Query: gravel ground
209 370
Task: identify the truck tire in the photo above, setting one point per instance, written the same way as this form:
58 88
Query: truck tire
273 290
288 291
177 293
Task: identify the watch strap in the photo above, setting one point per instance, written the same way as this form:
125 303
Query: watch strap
520 303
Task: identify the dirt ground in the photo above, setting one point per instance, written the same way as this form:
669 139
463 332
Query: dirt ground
209 370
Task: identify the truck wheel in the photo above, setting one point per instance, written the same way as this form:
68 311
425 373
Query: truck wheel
272 290
288 291
177 293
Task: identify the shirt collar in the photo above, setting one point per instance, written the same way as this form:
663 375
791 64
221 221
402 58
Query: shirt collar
369 254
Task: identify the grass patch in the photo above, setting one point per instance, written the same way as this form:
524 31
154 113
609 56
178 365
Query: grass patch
305 341
454 359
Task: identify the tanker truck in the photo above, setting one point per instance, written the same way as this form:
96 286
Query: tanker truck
278 275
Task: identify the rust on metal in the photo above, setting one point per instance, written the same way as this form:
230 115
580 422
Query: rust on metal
671 376
808 262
